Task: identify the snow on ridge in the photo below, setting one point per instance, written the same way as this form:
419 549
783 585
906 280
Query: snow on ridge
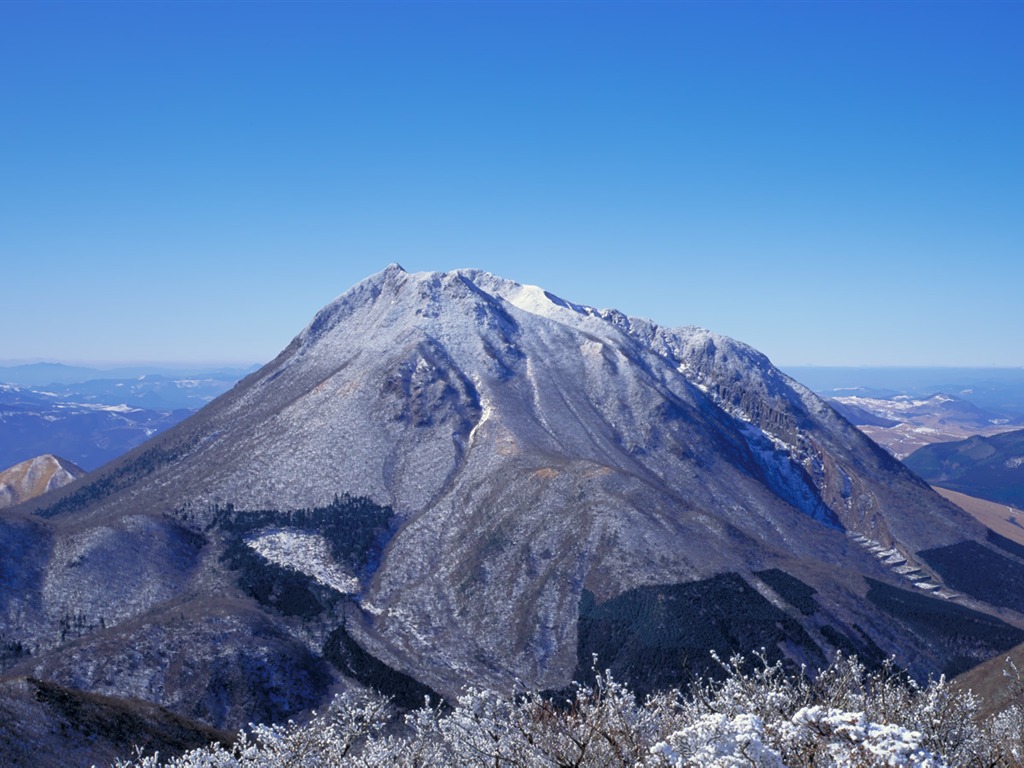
122 408
433 287
438 303
537 301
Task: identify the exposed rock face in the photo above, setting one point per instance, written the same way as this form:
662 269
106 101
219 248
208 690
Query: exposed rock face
542 481
35 477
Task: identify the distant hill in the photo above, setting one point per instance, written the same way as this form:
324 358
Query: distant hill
1003 519
987 467
35 477
861 416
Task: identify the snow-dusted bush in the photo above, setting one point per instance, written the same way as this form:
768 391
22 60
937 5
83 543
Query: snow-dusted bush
758 716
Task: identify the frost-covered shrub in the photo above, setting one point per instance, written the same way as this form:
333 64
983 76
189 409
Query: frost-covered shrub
840 738
720 741
758 716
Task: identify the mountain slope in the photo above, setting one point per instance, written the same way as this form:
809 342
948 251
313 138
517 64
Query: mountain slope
523 482
93 730
1002 519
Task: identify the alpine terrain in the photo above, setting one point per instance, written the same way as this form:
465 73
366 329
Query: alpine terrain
451 479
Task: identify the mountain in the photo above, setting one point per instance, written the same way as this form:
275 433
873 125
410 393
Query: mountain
35 477
452 478
987 467
902 423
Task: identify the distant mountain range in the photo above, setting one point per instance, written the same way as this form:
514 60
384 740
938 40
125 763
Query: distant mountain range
89 434
93 421
999 391
903 423
45 374
451 479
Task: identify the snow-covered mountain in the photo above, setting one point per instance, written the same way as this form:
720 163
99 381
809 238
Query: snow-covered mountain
452 478
34 477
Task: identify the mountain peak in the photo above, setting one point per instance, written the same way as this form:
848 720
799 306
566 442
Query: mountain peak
34 477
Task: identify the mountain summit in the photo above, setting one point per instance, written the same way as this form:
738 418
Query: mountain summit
34 477
452 478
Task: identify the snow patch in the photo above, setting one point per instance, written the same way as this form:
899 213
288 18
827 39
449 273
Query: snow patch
307 553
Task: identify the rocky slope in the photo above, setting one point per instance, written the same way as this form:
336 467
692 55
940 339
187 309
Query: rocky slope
451 478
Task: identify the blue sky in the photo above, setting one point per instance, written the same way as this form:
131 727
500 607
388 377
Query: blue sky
835 183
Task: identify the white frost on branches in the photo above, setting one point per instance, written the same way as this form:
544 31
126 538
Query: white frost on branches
758 716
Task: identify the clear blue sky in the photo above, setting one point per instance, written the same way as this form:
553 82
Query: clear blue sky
834 183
